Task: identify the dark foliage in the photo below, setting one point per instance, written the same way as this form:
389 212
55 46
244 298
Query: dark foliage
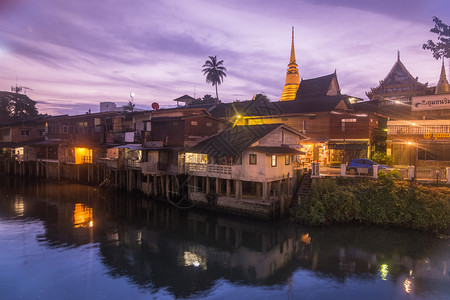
441 48
16 105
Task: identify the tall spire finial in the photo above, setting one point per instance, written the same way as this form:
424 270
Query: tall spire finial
292 34
442 87
398 55
292 77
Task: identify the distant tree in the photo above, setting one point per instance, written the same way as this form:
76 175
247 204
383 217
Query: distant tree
208 99
262 97
16 105
129 107
441 48
215 72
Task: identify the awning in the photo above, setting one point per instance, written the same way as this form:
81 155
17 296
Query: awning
347 146
132 147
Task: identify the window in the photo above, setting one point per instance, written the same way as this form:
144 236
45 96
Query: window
252 159
287 160
25 132
274 161
208 124
65 129
194 123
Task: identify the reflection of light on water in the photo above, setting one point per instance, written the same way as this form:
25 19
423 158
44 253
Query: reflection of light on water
193 259
19 206
407 285
306 238
139 237
384 271
82 216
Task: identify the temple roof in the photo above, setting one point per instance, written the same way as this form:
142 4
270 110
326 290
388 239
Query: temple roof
396 81
319 86
265 108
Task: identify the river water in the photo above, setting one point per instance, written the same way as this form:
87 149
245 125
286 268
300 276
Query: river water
68 241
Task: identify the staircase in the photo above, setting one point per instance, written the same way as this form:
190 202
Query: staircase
303 190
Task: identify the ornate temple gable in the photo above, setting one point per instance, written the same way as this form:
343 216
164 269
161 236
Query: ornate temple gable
334 89
398 83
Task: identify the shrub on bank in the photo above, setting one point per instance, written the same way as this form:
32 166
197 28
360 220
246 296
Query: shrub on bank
383 202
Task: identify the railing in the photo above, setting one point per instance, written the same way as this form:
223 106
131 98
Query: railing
70 160
133 163
220 171
195 167
426 174
86 159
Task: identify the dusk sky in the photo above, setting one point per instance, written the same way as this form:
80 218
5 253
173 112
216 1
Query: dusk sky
76 54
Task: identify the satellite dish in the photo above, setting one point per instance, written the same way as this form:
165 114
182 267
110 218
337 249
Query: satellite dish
155 106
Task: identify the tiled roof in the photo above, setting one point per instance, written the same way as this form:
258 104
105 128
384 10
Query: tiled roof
233 141
276 150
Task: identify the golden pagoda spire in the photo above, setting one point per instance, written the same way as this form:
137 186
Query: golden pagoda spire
443 87
292 77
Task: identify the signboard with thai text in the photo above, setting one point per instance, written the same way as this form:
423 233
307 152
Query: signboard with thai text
430 102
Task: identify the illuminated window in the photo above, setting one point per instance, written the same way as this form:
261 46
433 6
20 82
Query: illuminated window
196 158
83 155
252 159
287 160
194 123
208 124
274 161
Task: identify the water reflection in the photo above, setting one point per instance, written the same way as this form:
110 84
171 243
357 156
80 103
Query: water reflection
82 216
187 253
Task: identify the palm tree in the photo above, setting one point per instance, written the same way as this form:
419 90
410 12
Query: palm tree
214 71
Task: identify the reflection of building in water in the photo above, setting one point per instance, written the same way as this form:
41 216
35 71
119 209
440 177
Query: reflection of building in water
252 250
19 206
82 216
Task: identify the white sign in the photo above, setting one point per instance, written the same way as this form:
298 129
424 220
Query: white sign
430 102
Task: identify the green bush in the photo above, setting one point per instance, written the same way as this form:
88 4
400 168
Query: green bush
382 158
384 202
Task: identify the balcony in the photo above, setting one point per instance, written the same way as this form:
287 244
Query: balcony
133 164
152 168
217 171
112 163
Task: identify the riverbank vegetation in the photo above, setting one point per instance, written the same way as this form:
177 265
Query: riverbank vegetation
388 201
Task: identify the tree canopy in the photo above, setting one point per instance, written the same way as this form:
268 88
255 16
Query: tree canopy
16 105
129 107
262 97
441 48
215 72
